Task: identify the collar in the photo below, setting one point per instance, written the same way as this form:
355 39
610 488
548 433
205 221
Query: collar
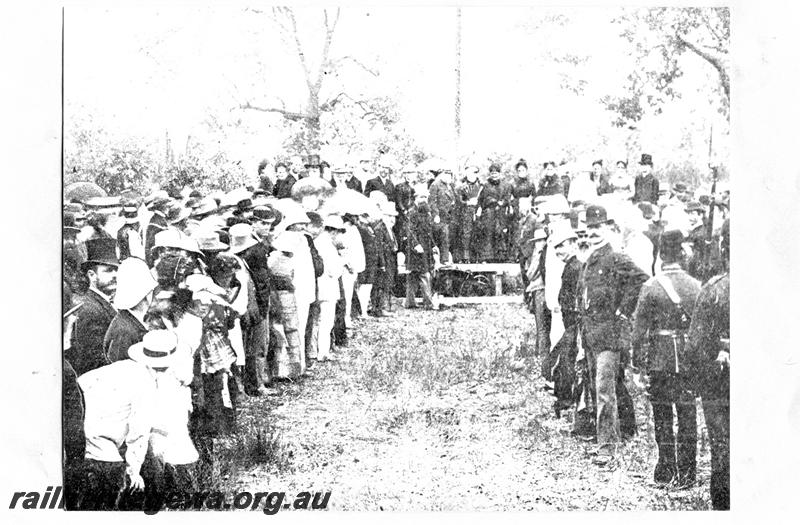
100 294
671 267
597 251
134 315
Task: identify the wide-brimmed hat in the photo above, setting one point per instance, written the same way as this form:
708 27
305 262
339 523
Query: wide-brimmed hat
242 237
156 349
134 282
539 234
561 234
388 208
204 207
694 206
292 214
266 214
198 283
100 251
169 238
596 214
234 197
130 213
646 160
157 200
208 241
103 202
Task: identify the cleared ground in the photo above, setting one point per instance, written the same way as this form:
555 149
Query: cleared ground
439 411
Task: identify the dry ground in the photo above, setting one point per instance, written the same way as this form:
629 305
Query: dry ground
424 411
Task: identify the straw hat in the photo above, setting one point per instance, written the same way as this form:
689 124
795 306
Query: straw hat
134 282
156 350
169 238
208 241
562 234
242 237
334 222
204 207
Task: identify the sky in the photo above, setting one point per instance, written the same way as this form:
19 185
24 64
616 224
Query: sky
144 71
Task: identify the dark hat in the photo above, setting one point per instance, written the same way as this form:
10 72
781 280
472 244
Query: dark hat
679 186
647 160
267 214
669 245
597 162
313 162
596 215
495 168
100 251
549 162
520 162
694 206
623 162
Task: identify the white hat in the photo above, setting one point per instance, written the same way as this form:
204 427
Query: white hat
169 238
242 237
388 208
562 233
421 190
156 350
334 221
134 282
198 282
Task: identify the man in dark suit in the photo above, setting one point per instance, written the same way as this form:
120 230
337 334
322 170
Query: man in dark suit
661 323
645 186
608 290
158 203
284 183
709 350
419 250
86 343
350 180
382 183
442 203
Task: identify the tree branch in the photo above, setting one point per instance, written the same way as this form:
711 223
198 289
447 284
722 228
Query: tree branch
290 115
326 46
373 72
714 61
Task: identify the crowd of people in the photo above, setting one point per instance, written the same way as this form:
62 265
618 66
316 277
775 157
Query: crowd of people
177 304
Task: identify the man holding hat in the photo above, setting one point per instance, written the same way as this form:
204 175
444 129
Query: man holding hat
121 401
645 186
135 285
97 313
608 290
661 322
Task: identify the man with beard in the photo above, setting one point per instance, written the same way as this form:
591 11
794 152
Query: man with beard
661 322
709 364
492 206
442 203
551 183
86 348
523 191
284 183
467 198
419 253
609 287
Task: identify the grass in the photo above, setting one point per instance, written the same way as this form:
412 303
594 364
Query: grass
441 411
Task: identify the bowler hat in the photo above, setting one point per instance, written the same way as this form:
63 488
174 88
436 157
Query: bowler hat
647 160
100 251
679 187
596 215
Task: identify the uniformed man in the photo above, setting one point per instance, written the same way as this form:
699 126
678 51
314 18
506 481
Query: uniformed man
467 198
709 359
609 288
661 322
